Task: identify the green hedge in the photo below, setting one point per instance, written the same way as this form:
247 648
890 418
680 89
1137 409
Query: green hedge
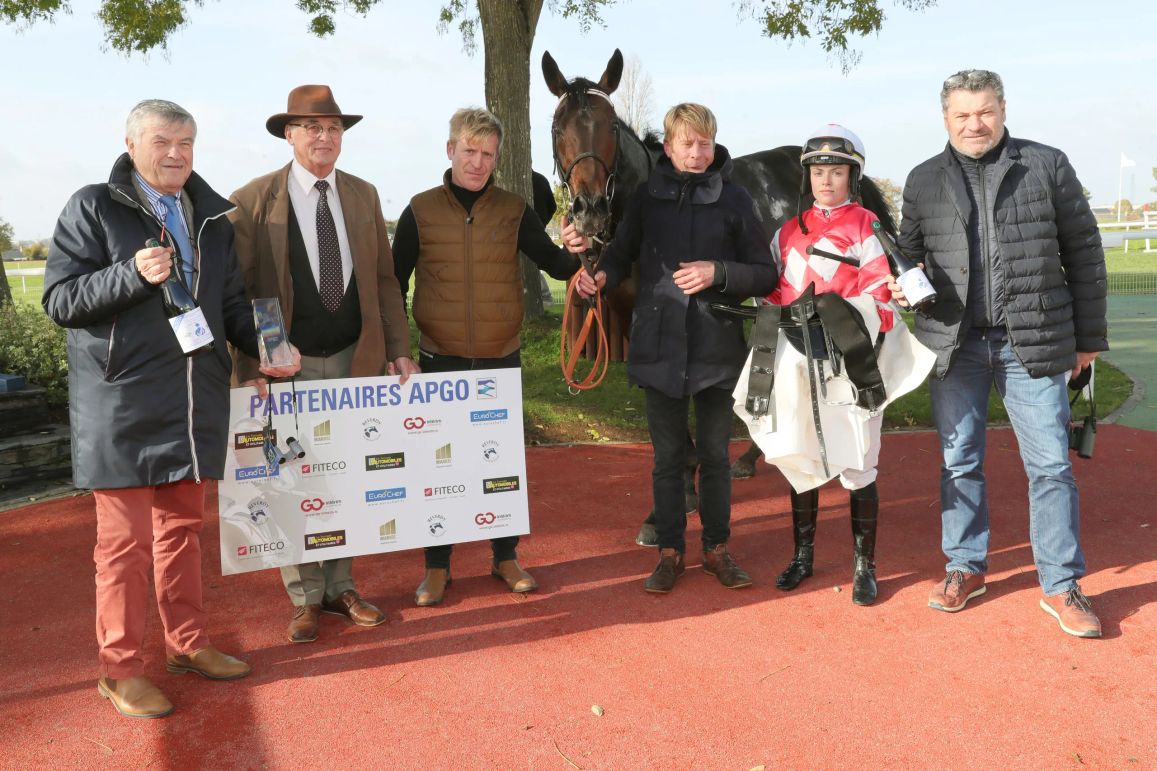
33 346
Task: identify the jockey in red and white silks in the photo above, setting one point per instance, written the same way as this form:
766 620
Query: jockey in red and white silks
787 435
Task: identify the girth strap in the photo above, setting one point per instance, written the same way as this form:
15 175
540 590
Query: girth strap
849 333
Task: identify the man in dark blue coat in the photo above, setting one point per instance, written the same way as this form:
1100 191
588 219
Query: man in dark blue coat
1012 248
149 423
697 239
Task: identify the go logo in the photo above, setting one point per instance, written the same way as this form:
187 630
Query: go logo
484 518
312 504
413 424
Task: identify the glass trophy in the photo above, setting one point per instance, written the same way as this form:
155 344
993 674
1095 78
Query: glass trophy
272 339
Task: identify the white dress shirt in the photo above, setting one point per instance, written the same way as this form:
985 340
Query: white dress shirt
304 197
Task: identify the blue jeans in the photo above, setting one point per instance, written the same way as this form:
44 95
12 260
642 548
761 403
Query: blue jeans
667 421
1039 411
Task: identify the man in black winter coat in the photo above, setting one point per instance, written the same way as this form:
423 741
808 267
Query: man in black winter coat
1012 247
697 239
149 423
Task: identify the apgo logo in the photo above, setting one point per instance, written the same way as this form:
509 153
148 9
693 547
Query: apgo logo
487 387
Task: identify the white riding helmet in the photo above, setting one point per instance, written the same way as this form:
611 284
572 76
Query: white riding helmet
832 145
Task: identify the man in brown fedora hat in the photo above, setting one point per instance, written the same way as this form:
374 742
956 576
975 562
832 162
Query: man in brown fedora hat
315 238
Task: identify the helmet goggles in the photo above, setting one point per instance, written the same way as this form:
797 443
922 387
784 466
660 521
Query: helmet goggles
830 150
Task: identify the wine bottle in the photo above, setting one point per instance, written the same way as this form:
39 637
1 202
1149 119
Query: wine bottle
185 316
918 290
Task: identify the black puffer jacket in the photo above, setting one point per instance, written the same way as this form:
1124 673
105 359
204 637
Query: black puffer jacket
679 346
142 412
1052 277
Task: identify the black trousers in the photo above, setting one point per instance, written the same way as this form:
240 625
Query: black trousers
667 421
503 548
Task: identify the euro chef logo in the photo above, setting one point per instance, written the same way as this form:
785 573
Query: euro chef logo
325 540
386 495
246 473
385 460
500 485
489 416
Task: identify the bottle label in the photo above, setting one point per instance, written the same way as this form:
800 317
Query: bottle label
192 330
916 286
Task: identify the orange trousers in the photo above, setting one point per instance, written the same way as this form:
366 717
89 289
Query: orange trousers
136 526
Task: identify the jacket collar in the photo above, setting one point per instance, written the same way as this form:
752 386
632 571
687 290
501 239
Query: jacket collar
206 202
705 187
953 174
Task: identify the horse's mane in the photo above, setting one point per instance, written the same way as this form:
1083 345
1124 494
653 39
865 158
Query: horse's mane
652 140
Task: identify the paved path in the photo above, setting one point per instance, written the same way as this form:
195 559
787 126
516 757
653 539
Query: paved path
1133 343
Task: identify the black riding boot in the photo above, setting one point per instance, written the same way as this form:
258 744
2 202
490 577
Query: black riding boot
804 509
865 504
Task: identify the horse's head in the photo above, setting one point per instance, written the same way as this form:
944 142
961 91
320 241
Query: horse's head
585 136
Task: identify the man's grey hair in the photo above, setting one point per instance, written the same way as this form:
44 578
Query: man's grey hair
971 80
169 112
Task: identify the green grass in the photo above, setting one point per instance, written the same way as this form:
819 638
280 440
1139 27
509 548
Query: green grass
25 289
1117 260
615 412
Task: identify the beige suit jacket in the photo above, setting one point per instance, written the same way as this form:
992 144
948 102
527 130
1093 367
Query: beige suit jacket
261 224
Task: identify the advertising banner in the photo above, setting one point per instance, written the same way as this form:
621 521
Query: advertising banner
324 469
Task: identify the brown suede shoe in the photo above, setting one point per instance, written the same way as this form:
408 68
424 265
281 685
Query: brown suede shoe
303 626
208 662
718 562
134 697
954 592
670 567
1074 612
353 607
433 587
517 579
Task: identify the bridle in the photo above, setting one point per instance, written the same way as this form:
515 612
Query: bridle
564 173
590 258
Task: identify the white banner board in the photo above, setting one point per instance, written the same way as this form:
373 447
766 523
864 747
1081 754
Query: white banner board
385 467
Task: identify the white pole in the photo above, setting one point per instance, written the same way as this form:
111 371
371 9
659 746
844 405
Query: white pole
1120 178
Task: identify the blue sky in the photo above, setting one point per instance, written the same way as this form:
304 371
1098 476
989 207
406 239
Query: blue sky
1075 78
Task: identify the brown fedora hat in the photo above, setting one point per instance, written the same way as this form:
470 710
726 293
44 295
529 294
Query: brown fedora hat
308 102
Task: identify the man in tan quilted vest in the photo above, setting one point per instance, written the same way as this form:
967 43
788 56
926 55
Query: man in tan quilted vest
460 241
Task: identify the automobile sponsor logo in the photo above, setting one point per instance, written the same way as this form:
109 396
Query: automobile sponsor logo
500 485
247 440
325 540
385 460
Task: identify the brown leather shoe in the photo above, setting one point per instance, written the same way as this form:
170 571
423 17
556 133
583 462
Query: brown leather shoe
1074 612
718 562
303 626
433 587
670 567
954 592
208 662
134 697
517 579
353 607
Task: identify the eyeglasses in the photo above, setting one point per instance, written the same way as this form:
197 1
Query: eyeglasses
315 130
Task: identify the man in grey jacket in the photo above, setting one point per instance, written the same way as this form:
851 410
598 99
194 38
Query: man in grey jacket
1012 247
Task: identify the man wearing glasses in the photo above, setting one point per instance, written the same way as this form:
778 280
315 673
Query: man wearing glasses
315 238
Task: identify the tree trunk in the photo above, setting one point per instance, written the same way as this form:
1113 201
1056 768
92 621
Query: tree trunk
5 290
508 33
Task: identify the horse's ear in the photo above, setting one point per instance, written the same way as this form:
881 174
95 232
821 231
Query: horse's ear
610 79
554 79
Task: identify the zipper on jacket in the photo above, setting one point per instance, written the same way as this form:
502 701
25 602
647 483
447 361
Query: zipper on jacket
469 226
983 245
